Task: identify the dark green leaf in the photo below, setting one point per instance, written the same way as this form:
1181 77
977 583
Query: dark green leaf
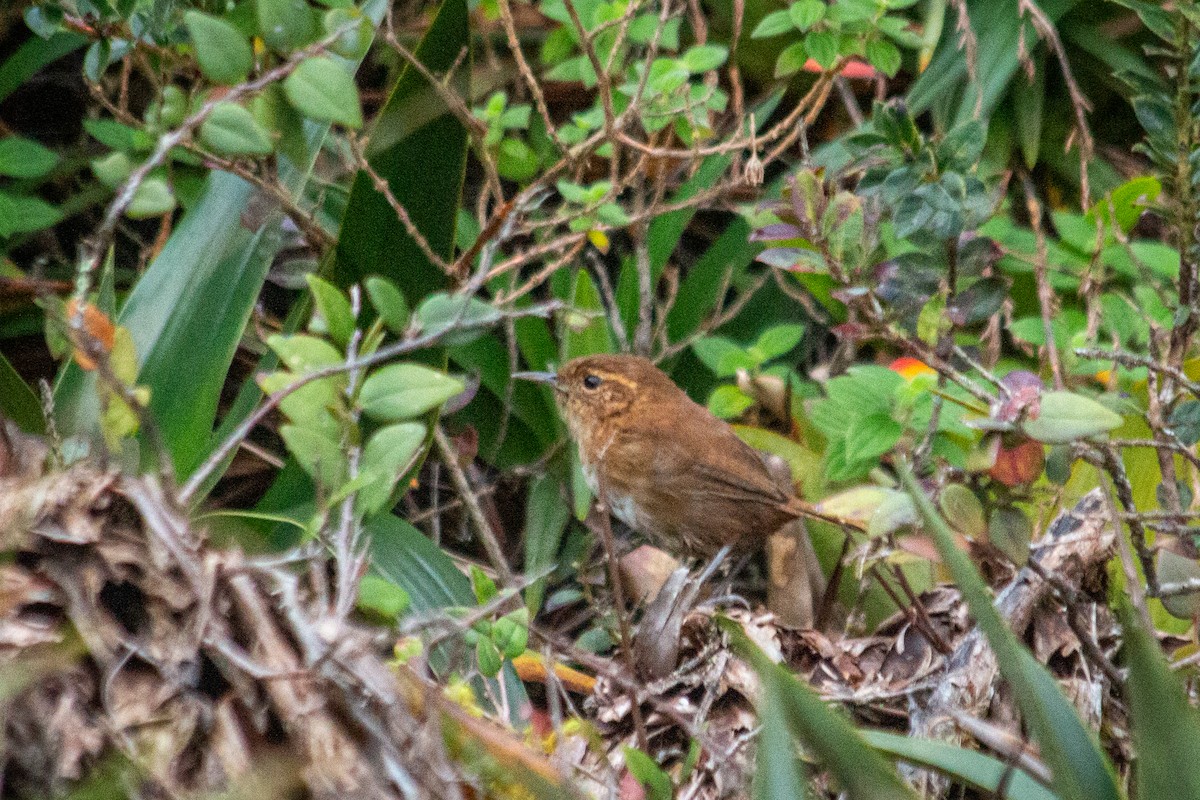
404 391
25 158
18 402
884 56
153 198
21 214
221 49
231 130
320 89
389 452
389 303
286 25
334 308
704 57
807 13
773 24
546 518
1066 416
419 147
1165 726
1185 422
642 767
822 47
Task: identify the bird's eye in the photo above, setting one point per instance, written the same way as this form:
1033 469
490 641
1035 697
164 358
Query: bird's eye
591 381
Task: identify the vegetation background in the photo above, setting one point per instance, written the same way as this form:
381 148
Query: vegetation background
277 519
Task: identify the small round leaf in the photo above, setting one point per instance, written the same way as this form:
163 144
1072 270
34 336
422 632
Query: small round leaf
231 130
322 90
223 52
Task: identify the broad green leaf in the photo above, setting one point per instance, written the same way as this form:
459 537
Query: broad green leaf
445 312
382 597
320 455
778 771
212 267
806 13
34 54
285 25
1165 726
586 325
404 391
301 353
1010 530
773 24
21 214
546 517
320 89
356 35
727 402
231 130
649 774
222 50
388 454
25 158
18 402
153 198
884 56
334 307
791 60
822 47
704 57
968 767
1080 770
389 303
419 147
722 356
963 510
779 340
1066 416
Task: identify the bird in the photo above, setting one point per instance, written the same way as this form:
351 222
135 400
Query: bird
663 464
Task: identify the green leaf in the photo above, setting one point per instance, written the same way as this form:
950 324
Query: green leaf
25 158
791 60
806 13
389 303
963 510
20 214
190 307
231 130
388 454
334 308
704 57
488 658
822 47
1011 531
286 25
779 340
727 402
511 633
651 776
773 24
968 767
1080 770
587 328
1066 416
546 519
320 456
222 50
404 391
419 147
445 312
516 160
320 89
302 354
357 32
723 356
1165 726
34 54
869 437
884 56
1174 568
18 402
113 169
153 198
382 597
778 772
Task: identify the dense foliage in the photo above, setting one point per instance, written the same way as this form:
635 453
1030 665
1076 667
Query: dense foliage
283 258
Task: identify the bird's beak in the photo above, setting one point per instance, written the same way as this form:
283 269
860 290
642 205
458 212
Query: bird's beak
541 377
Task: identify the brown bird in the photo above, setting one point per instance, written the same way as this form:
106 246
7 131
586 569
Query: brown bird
663 464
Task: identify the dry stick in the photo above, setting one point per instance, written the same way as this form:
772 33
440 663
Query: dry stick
1133 360
614 577
491 544
531 82
1045 292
